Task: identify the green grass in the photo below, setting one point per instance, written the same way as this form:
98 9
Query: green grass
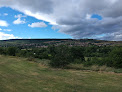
94 68
19 75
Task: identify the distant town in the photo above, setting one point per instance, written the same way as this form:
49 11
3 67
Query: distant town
29 43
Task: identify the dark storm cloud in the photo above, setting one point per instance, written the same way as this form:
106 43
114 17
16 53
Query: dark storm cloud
45 6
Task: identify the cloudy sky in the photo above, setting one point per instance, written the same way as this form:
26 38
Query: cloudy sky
96 19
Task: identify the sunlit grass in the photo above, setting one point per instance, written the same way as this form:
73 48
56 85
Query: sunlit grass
19 75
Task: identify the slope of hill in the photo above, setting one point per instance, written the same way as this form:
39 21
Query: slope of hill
46 42
20 75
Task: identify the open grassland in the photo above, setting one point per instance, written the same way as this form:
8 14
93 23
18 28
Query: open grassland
19 75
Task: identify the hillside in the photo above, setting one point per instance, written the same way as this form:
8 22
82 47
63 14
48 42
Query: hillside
47 42
19 75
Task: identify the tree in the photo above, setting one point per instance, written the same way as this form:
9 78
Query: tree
62 57
11 51
2 50
116 58
77 53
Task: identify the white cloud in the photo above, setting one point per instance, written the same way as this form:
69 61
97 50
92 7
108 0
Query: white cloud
37 24
3 23
0 29
7 30
88 16
41 16
19 20
19 16
5 14
4 36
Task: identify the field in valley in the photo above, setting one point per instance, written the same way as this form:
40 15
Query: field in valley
19 75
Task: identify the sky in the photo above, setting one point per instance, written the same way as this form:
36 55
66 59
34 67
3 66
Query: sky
74 19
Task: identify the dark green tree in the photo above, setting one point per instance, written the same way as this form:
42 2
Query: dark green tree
62 57
2 51
115 58
77 54
11 51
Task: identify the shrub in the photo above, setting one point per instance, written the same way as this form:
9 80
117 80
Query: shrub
92 61
77 54
31 59
62 57
115 58
77 61
21 53
95 68
2 51
103 68
11 51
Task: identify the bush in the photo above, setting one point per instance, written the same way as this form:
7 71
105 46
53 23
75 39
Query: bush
62 57
44 55
31 59
11 51
115 58
92 61
21 53
95 68
103 68
78 61
77 54
2 51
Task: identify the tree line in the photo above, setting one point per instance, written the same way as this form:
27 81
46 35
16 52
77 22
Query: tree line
61 56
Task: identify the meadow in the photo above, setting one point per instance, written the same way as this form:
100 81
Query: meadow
17 74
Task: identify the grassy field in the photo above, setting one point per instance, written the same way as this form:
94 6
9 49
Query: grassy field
19 75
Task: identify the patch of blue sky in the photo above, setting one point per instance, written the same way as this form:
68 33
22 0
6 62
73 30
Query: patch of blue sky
97 16
24 31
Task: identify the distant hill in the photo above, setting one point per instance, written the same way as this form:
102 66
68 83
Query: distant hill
47 42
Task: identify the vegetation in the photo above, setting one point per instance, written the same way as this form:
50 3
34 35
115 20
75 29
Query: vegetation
31 43
63 55
17 74
60 68
116 58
